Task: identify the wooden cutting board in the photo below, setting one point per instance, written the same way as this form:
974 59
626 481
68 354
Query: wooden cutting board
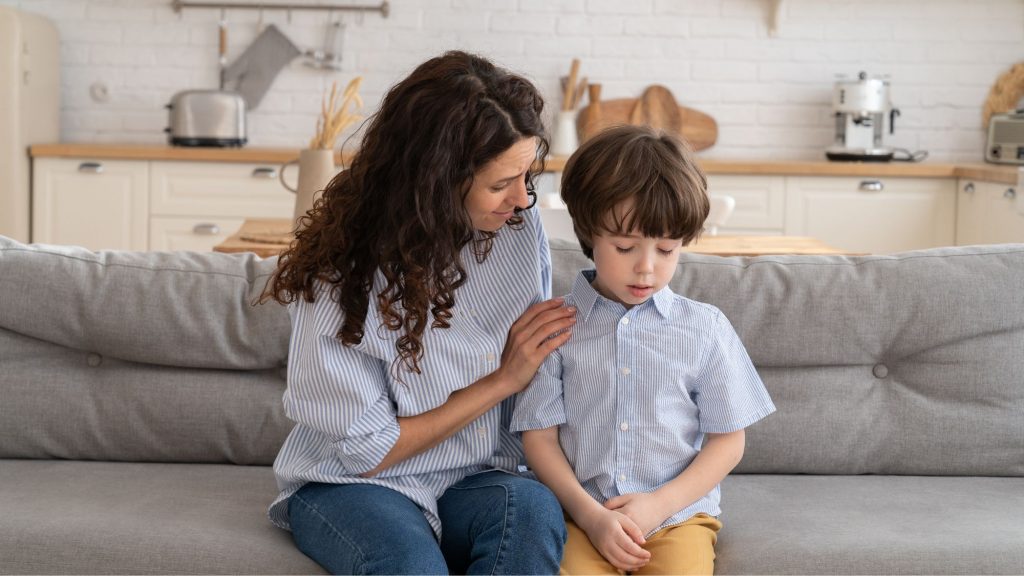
696 127
658 109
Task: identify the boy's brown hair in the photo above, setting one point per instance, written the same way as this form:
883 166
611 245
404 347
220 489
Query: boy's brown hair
655 171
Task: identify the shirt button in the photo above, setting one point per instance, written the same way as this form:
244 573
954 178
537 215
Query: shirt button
624 426
625 320
481 432
490 357
622 477
626 371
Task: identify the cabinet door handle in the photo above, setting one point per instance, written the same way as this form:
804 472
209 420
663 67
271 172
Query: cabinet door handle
969 188
1010 194
871 186
268 173
90 168
206 229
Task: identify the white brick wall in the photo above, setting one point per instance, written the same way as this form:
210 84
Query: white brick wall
770 95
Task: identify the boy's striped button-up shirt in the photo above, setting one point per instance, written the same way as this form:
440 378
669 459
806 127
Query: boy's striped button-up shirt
634 391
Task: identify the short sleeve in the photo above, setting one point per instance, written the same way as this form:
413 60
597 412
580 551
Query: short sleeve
728 392
338 391
542 404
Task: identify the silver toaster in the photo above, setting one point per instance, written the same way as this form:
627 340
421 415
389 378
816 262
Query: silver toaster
1006 138
206 118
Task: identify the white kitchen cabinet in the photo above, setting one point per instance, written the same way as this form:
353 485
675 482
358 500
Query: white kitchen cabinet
96 204
218 189
151 204
170 233
875 215
197 205
760 203
988 213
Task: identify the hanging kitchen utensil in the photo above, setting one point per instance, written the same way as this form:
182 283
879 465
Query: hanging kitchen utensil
222 46
328 58
252 73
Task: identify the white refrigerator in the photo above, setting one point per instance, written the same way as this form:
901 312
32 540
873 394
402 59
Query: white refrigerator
29 110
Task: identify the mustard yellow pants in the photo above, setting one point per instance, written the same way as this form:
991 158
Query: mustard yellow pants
687 548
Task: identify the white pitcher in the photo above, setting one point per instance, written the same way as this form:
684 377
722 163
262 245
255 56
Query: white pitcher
316 168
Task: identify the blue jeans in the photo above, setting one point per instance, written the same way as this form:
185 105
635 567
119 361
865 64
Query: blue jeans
492 523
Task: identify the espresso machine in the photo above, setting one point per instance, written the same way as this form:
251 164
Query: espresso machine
861 106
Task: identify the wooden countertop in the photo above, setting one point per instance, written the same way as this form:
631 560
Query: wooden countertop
165 152
268 237
984 172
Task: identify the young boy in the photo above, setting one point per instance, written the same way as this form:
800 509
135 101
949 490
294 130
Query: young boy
638 417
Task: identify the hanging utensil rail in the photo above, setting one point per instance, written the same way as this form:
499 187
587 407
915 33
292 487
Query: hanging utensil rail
384 8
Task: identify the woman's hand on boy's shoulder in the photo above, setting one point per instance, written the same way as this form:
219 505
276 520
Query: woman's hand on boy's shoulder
539 331
617 538
645 509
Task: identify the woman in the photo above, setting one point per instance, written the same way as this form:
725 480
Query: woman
414 293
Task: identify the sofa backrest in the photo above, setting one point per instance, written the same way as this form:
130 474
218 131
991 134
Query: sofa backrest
904 364
136 356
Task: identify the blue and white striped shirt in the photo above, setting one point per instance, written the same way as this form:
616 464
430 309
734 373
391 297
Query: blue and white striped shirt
634 391
345 401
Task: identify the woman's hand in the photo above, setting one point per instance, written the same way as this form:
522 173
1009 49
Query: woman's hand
642 508
542 328
617 538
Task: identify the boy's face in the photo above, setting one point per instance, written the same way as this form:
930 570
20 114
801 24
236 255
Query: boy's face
631 267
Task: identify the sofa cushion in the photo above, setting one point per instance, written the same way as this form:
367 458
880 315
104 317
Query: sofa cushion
189 309
105 518
901 364
121 518
780 524
58 402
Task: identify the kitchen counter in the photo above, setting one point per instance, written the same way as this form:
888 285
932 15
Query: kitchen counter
165 152
984 172
268 237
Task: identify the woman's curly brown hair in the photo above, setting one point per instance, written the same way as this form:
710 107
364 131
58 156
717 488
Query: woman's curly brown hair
398 208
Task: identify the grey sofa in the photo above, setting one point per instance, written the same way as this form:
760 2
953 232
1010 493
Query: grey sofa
140 411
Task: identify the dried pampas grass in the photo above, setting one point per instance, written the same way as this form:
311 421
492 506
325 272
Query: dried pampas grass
333 118
1005 93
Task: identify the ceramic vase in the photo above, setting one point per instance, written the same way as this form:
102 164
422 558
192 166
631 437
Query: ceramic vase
565 140
316 168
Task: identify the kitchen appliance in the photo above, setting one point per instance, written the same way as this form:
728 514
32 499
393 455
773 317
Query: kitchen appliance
860 107
29 109
1006 138
206 118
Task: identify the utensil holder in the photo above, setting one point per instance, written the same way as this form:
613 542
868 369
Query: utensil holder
316 168
565 140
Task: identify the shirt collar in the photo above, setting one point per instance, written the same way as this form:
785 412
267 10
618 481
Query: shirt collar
663 300
585 297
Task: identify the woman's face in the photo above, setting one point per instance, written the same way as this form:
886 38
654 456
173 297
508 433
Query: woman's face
500 186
